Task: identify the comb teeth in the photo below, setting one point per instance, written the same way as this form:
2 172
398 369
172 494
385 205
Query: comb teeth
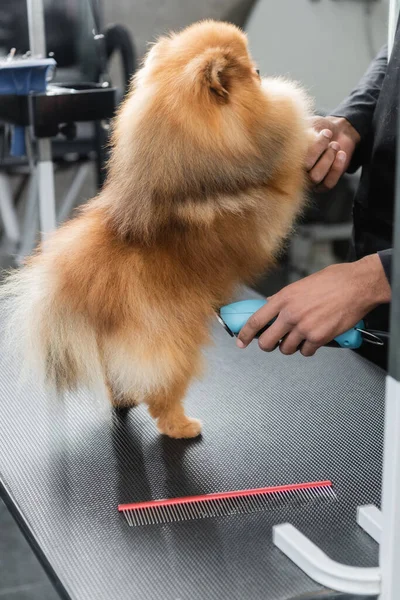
159 512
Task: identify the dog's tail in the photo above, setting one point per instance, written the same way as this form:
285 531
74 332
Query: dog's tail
50 342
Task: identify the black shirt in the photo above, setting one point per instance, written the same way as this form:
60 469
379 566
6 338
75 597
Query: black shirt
372 110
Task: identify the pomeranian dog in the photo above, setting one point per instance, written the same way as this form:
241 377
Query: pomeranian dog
205 179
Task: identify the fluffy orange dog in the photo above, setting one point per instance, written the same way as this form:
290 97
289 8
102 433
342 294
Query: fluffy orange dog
205 179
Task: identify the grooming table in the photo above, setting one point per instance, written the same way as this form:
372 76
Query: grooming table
268 420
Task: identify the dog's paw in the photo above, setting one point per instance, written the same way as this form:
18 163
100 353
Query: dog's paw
184 428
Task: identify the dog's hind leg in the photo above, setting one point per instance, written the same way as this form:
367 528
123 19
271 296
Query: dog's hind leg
121 400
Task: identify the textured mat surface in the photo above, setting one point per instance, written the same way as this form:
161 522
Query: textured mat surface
268 420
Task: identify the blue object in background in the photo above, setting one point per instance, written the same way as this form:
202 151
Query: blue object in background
21 77
235 316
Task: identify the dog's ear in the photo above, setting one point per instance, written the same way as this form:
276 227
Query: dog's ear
217 76
213 71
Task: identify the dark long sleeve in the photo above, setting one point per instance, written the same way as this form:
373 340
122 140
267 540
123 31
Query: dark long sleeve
358 108
386 259
372 108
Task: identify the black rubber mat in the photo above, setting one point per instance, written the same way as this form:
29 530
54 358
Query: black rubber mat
268 420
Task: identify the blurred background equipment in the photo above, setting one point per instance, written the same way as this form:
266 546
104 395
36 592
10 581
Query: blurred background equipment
73 113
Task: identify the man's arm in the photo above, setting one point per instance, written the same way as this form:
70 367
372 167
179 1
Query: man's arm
313 311
386 260
358 108
339 141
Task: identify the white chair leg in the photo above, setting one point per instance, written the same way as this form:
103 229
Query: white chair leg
70 199
30 226
7 211
47 209
47 203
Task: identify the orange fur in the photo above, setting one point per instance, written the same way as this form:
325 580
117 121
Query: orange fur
205 179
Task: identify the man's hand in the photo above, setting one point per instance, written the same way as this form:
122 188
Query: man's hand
314 310
330 153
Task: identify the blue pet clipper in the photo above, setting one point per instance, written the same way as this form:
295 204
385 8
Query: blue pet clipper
233 316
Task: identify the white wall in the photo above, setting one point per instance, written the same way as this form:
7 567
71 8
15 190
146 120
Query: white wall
147 19
321 43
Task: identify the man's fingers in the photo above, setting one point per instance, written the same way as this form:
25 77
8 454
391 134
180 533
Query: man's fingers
338 168
318 148
322 169
256 322
308 348
291 342
275 333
